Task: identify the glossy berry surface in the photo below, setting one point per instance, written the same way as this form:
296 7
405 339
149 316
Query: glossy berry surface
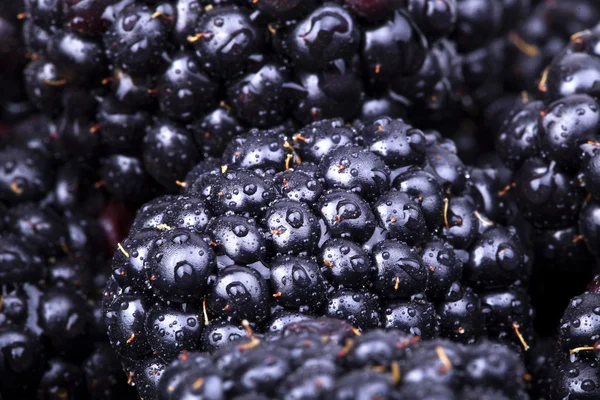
291 360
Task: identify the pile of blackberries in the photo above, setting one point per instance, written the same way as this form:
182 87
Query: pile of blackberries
303 199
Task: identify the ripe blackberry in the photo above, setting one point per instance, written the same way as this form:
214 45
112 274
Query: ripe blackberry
216 70
317 362
52 274
551 145
377 226
535 41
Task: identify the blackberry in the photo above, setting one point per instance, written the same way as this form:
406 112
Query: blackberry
302 363
345 221
550 144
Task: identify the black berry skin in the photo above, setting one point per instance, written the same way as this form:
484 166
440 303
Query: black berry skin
41 228
425 190
24 176
293 228
496 260
259 97
125 318
396 47
577 379
461 316
153 213
66 376
170 331
283 318
327 34
188 12
567 123
129 270
220 334
325 95
400 270
550 143
298 185
239 293
461 225
63 318
126 179
580 323
548 197
517 148
184 91
146 374
18 263
443 162
241 192
214 130
401 217
445 268
346 215
237 238
582 70
225 39
135 41
436 18
355 169
134 91
288 362
416 317
78 60
358 307
346 263
257 150
179 265
297 282
44 85
120 129
101 369
23 356
190 213
319 138
589 222
505 309
395 141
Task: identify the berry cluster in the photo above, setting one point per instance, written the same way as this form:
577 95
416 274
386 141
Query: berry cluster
325 359
374 223
151 88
